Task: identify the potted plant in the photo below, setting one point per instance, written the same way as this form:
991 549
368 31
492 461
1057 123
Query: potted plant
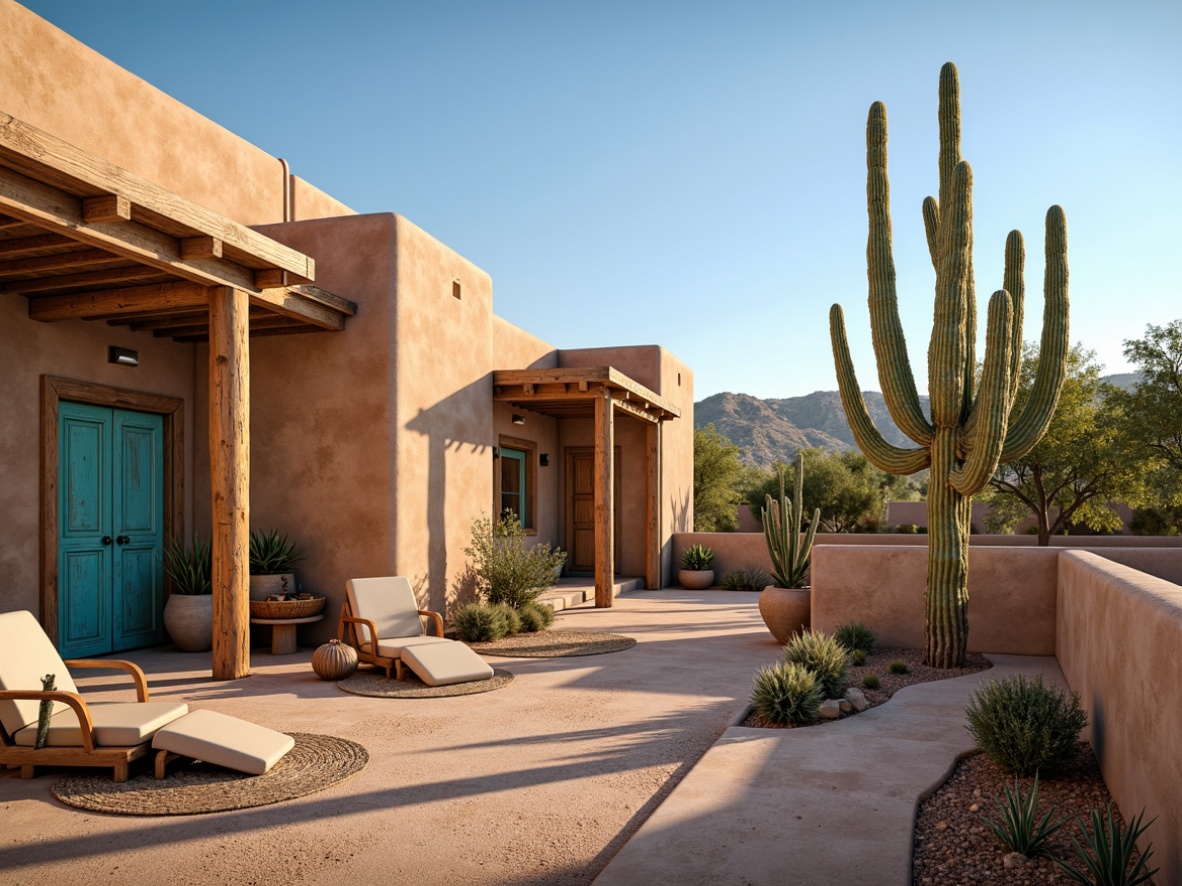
272 564
786 605
188 614
695 572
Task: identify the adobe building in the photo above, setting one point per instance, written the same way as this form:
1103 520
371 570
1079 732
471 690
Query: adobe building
195 339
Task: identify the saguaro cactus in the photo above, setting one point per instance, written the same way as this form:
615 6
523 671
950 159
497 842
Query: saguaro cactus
970 430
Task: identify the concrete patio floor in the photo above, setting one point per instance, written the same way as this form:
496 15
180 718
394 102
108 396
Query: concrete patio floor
540 783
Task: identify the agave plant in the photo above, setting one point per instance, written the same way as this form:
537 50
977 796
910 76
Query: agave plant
272 553
190 571
697 558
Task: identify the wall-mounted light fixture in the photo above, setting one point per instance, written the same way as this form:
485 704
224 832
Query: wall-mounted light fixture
544 459
123 356
518 419
496 452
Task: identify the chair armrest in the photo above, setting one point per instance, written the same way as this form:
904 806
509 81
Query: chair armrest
368 625
72 699
137 674
436 618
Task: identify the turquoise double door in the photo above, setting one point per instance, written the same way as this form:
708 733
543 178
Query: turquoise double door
110 529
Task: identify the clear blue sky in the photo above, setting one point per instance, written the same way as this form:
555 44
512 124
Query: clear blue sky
693 174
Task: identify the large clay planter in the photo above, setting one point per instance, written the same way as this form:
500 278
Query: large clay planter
263 586
785 611
696 579
188 618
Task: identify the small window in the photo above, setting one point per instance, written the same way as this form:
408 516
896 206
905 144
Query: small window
515 479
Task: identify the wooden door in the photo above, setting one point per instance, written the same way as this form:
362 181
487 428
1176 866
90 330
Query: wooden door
580 509
111 529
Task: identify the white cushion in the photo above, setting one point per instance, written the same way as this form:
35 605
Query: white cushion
393 647
388 602
27 655
116 725
224 741
442 664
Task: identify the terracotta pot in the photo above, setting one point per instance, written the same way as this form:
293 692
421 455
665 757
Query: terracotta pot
334 660
188 618
785 611
696 579
263 586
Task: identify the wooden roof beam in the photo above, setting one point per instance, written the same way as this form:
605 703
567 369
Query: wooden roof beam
104 303
129 274
21 247
59 261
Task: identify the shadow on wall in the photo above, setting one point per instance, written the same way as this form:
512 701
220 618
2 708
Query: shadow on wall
682 513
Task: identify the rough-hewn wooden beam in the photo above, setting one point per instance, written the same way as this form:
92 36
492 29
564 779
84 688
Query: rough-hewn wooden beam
131 274
636 411
605 567
229 458
109 208
37 149
201 247
286 302
59 261
652 503
125 300
20 247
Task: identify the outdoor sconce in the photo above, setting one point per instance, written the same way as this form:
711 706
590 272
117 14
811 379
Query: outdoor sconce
496 452
518 419
544 459
123 356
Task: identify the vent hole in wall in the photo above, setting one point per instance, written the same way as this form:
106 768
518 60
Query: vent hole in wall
455 288
679 379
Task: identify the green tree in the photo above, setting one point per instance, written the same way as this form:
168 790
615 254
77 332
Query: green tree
718 477
1079 466
848 490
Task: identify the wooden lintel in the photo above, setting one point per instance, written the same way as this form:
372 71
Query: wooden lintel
109 208
126 300
326 298
201 247
20 247
291 304
130 274
59 261
34 148
635 411
604 500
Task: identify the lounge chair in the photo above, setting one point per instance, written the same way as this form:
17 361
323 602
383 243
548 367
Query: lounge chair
110 733
382 620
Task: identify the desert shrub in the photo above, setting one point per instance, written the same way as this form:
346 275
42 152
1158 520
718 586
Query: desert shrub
855 636
822 655
535 617
510 616
786 694
1112 848
1020 829
749 578
859 656
506 570
870 681
898 667
482 622
1025 726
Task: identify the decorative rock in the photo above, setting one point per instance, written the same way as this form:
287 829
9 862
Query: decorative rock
976 807
830 709
857 698
846 707
941 826
1014 860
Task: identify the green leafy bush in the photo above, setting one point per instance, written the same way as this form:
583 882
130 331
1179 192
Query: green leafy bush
786 694
506 570
870 681
859 656
824 656
697 558
535 617
1025 726
1020 829
1112 848
749 578
855 636
898 667
483 622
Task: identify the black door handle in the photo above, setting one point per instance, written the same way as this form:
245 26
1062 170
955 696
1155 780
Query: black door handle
106 539
122 539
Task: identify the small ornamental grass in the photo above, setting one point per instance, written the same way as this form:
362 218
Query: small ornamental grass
898 667
786 694
1111 852
855 636
870 681
859 657
824 656
749 578
535 617
1019 828
487 622
1025 726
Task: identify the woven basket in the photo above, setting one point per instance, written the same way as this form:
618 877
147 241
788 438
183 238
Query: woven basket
286 608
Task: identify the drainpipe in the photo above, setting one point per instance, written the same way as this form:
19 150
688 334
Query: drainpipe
286 190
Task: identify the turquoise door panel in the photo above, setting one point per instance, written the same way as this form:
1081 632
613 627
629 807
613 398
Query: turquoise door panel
111 532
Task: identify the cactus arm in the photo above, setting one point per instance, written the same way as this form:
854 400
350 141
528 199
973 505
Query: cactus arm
1025 433
949 119
1015 285
890 345
946 354
881 454
991 410
931 227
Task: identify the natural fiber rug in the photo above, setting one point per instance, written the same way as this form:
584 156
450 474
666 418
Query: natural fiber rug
555 644
374 683
315 763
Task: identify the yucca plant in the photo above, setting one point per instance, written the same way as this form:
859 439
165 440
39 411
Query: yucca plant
781 530
697 558
855 636
1020 829
190 571
1112 847
272 553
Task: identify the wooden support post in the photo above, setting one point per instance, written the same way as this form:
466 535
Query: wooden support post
652 498
605 506
229 468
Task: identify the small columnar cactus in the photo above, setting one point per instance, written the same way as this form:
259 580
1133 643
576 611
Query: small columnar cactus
45 714
781 530
970 431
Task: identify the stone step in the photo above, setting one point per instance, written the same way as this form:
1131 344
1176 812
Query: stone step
572 592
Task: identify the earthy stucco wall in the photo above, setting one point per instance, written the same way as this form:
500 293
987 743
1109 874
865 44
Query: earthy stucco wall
71 349
51 81
1119 631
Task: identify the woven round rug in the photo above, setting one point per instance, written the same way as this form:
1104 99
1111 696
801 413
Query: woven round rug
374 683
555 644
315 763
